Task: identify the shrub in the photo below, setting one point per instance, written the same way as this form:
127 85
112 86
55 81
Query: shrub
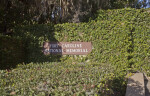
115 35
51 79
12 51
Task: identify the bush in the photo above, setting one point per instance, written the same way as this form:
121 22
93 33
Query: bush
50 79
12 52
120 37
34 36
141 42
115 34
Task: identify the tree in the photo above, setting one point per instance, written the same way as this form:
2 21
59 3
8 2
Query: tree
20 12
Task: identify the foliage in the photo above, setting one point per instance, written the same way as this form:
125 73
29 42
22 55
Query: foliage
12 51
115 35
33 37
49 79
141 42
25 12
120 40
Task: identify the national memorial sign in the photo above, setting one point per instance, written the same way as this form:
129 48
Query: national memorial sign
67 48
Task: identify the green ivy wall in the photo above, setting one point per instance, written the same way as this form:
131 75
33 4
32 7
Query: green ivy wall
120 37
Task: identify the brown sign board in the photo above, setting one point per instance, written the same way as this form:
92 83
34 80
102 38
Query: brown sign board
67 48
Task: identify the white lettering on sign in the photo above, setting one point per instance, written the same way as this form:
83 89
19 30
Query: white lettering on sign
54 46
72 45
55 50
76 50
70 48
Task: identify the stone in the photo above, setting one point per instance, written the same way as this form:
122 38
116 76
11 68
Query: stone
135 86
147 86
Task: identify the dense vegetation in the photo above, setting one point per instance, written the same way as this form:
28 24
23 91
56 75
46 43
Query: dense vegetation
65 78
119 37
12 51
27 12
121 44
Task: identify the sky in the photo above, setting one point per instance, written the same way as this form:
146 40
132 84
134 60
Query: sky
148 6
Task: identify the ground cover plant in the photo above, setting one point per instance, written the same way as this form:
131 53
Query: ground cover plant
62 79
120 40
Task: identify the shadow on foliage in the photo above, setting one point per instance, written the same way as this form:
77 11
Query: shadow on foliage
118 86
12 52
34 37
30 49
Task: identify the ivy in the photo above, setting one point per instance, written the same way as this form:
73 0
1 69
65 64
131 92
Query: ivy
121 44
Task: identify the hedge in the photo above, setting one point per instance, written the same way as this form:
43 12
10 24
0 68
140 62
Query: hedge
62 79
12 52
141 42
114 35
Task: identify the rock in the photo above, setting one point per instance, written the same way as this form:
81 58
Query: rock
135 86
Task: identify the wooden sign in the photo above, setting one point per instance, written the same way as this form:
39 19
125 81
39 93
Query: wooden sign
67 48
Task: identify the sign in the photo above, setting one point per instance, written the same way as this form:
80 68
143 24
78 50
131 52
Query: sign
67 48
